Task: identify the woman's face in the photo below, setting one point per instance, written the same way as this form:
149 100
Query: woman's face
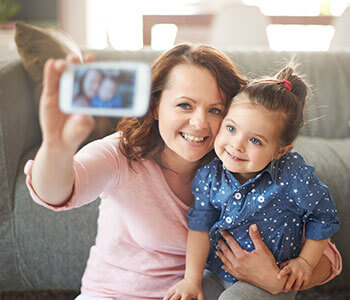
189 114
91 83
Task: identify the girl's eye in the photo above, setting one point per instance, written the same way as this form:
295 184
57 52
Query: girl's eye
255 141
216 111
184 105
231 128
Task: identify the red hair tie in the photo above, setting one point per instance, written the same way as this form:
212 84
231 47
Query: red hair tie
287 84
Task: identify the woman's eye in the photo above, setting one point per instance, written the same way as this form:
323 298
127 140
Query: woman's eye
216 111
255 141
230 128
184 105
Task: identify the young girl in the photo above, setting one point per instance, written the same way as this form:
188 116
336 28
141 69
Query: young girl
108 95
258 179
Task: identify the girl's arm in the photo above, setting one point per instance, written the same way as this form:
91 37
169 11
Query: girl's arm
300 269
198 246
52 173
196 255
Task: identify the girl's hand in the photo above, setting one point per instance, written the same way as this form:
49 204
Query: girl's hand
186 289
257 267
59 129
299 273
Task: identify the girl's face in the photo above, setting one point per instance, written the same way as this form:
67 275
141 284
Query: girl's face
107 89
189 114
91 83
248 139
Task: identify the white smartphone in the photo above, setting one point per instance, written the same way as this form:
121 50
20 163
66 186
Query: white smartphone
115 89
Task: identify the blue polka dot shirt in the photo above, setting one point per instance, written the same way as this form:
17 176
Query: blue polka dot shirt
280 200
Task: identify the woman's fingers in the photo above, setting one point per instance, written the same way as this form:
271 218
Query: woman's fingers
256 238
230 240
72 58
224 260
89 57
52 73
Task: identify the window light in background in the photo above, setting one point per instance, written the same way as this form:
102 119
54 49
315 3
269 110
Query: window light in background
163 36
300 7
299 37
121 22
114 23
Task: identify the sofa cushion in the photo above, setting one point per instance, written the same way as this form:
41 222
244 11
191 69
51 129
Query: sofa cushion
55 245
35 45
331 159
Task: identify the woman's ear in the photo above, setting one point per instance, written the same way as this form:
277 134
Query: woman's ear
282 151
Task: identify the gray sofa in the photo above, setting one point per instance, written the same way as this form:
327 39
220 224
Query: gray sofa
44 250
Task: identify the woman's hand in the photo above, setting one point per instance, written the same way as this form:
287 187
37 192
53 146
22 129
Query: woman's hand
185 289
257 267
58 129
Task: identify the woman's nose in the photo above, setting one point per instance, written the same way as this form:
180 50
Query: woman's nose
199 120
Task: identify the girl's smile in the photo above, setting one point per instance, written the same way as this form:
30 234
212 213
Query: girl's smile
244 146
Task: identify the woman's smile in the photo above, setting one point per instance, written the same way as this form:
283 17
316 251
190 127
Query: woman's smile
192 138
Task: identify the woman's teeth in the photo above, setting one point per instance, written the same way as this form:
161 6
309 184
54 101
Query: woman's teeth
192 138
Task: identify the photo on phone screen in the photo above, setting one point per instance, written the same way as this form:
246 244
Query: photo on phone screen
106 88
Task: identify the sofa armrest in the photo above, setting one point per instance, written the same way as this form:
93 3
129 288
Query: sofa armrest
19 125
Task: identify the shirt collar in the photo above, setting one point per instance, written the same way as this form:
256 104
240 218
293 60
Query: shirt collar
271 170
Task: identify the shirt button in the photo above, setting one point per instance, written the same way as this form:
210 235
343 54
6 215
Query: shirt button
238 196
261 199
228 220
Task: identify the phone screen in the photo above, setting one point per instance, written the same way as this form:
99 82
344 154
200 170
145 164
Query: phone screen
103 88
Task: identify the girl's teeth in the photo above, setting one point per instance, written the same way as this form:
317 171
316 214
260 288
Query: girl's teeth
192 138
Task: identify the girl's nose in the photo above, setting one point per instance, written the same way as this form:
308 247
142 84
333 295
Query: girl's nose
199 120
238 144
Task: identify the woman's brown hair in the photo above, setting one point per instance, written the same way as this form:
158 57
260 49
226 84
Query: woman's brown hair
140 137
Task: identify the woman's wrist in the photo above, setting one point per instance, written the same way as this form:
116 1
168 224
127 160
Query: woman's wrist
269 281
52 148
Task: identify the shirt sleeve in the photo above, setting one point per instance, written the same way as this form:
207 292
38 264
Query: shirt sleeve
95 166
202 215
321 220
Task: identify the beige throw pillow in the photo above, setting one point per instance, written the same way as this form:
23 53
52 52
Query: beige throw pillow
35 45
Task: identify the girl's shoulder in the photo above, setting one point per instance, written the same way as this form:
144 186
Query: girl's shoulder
213 166
294 162
293 167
